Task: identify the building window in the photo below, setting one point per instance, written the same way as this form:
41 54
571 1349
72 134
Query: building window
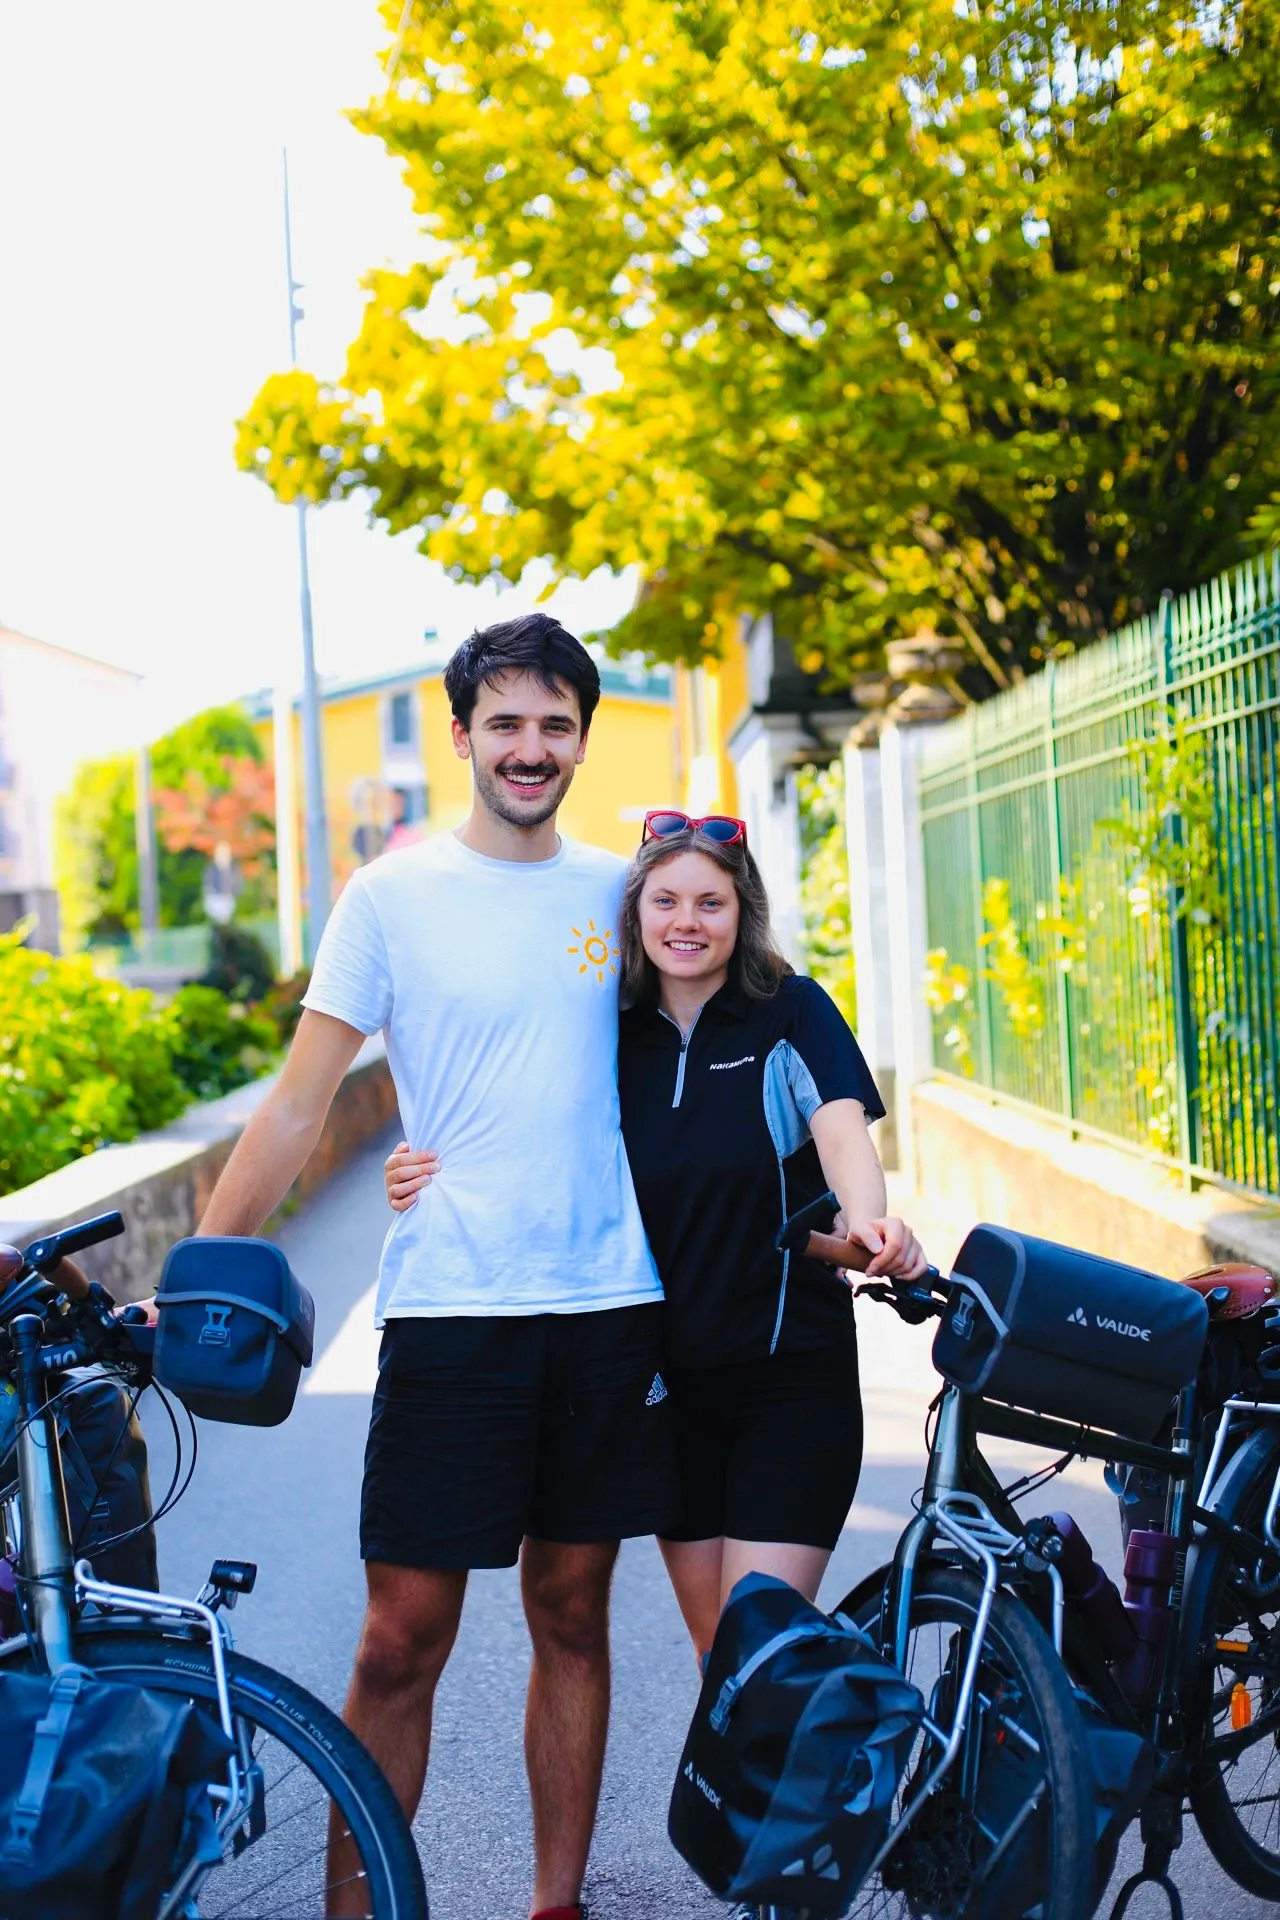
400 720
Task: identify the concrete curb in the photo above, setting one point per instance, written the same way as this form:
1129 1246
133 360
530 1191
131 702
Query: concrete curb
984 1161
161 1181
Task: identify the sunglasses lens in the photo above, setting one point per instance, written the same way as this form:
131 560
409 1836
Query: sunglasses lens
664 823
722 830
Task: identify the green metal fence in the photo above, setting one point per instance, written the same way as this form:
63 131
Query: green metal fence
1102 875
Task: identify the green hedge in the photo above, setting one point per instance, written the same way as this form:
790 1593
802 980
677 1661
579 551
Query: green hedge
85 1062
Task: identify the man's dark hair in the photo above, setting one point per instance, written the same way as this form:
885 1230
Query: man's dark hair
534 644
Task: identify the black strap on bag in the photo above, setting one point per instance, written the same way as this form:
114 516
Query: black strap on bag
104 1795
24 1815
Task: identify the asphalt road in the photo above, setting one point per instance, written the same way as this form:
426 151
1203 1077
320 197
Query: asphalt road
288 1498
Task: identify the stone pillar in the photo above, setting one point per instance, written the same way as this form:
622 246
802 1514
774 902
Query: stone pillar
907 931
869 920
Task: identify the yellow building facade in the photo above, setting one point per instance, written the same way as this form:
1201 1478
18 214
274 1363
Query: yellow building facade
390 766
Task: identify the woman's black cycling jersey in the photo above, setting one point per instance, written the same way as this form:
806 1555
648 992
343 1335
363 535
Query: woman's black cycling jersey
717 1134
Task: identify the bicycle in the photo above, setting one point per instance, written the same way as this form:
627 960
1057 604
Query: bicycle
292 1759
999 1773
1210 1707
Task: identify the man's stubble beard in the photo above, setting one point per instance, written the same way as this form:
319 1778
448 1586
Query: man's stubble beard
495 801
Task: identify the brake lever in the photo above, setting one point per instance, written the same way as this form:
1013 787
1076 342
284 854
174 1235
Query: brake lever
912 1303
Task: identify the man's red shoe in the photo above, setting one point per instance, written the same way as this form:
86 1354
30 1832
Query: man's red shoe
561 1913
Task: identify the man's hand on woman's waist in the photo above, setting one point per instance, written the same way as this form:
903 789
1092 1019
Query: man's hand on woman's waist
407 1173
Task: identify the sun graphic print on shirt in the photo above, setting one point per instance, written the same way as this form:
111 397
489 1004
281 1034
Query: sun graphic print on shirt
595 952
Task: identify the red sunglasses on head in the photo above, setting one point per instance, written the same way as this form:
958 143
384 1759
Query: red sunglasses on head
721 827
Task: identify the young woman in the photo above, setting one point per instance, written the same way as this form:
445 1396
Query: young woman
744 1097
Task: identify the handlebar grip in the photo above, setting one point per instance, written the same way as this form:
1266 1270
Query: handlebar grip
835 1252
45 1254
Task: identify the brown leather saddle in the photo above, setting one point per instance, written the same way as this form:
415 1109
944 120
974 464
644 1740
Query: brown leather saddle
10 1264
1234 1290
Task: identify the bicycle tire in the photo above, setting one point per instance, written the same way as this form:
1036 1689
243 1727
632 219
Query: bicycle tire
1016 1651
1220 1585
278 1710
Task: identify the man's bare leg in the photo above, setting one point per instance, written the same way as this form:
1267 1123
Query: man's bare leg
409 1629
566 1602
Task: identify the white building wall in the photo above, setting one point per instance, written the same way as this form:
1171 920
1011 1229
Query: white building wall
57 709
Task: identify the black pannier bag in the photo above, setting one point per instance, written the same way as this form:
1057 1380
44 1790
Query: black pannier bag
801 1734
1067 1333
236 1329
104 1466
103 1796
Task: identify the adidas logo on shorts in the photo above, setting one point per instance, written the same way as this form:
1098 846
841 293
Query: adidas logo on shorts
657 1392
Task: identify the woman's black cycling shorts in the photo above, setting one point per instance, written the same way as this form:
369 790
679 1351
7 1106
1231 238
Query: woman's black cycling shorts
770 1449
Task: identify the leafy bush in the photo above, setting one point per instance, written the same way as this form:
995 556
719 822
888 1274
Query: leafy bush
240 965
83 1062
216 1044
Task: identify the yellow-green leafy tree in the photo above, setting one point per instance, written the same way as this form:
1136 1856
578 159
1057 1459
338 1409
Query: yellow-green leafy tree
893 316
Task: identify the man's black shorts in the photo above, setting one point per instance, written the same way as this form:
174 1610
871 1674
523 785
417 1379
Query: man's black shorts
483 1430
770 1449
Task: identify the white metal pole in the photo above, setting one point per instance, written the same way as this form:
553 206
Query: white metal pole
288 874
145 840
318 891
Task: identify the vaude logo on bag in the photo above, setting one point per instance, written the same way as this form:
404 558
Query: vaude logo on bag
824 1865
708 1792
1107 1325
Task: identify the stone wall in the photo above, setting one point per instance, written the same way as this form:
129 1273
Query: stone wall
161 1182
980 1160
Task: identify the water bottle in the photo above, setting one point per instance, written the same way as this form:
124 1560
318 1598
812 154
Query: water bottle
1148 1576
1091 1593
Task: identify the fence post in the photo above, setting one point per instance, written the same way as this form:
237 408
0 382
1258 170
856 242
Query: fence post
907 929
1186 1050
1066 1064
869 928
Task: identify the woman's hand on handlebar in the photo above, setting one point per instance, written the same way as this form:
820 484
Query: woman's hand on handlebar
407 1173
895 1252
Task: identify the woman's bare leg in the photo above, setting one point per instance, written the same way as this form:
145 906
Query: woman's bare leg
695 1570
801 1567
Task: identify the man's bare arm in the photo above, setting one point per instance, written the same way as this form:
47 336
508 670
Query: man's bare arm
278 1141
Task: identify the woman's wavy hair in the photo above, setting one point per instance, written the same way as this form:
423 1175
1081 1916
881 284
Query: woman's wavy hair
757 964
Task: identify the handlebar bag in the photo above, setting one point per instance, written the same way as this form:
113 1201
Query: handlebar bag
1061 1332
103 1796
236 1328
800 1736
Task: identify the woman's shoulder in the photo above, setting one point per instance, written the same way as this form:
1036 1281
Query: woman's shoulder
801 991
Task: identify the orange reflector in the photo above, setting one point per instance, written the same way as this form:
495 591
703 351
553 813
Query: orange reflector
1233 1646
1241 1706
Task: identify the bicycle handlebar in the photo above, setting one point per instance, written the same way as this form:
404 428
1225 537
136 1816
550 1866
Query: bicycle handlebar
834 1251
44 1254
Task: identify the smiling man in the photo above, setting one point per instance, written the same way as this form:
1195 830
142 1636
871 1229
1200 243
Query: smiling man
518 1396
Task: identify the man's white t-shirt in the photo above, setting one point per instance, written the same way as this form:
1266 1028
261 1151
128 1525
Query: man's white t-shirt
497 984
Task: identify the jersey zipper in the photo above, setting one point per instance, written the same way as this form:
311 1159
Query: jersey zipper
685 1038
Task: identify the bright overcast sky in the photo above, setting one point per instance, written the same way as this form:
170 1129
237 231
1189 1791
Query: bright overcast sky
141 303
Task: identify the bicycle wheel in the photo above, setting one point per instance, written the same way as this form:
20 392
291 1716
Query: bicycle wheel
1009 1831
276 1866
1231 1677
